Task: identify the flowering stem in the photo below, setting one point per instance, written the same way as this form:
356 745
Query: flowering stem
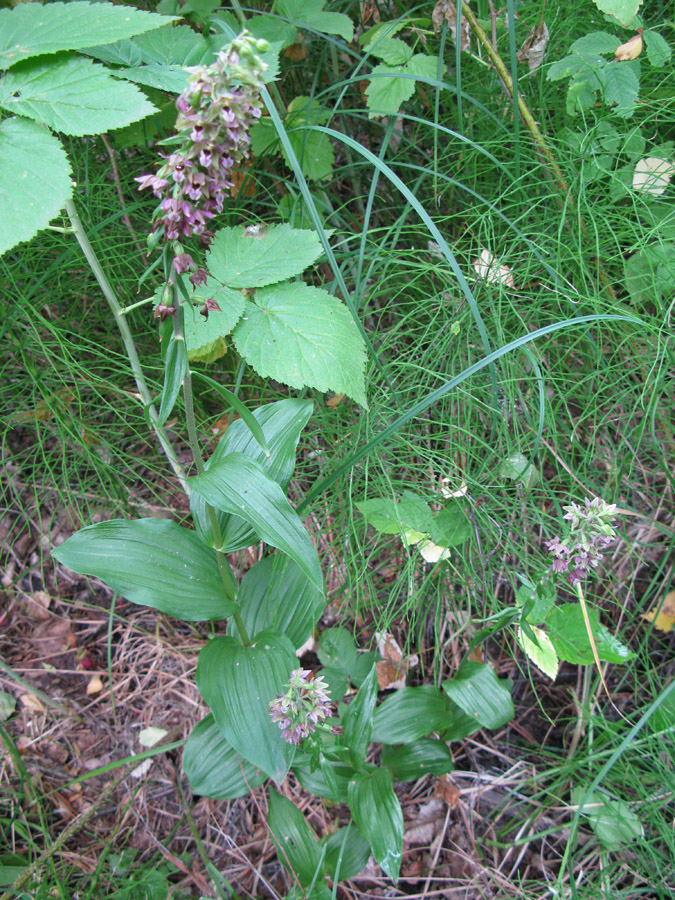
129 345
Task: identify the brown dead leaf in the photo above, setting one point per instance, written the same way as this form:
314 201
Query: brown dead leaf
44 410
630 50
369 11
53 637
534 47
392 669
296 52
663 619
447 790
446 11
335 401
36 605
240 176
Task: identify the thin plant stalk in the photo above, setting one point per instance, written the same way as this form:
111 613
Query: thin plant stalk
129 345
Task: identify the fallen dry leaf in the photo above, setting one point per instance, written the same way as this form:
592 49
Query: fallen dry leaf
296 52
31 703
630 50
652 175
392 669
446 11
663 619
489 269
447 790
53 637
534 47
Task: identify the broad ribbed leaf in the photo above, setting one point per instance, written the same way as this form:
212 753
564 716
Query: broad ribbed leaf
480 694
153 562
357 720
408 762
377 814
31 29
241 258
214 768
35 180
239 683
240 486
329 779
409 714
72 95
296 843
303 337
347 853
282 423
276 595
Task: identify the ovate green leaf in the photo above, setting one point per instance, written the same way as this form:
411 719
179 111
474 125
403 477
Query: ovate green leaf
566 627
164 566
357 720
377 814
31 29
214 768
35 180
387 90
347 853
409 714
303 337
72 95
613 821
391 517
239 683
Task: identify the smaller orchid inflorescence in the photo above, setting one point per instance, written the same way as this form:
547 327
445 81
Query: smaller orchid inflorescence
305 704
590 531
215 114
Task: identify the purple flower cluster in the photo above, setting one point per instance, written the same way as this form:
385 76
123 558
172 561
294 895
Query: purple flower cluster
215 114
590 531
305 704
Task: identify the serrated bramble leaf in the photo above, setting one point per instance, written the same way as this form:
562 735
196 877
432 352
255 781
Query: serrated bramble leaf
199 332
621 85
31 29
312 13
658 48
386 91
423 65
35 180
173 79
239 683
392 51
391 517
623 10
240 258
73 95
591 47
303 337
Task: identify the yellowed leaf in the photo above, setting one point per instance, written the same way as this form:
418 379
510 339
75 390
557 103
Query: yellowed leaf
663 618
630 50
95 685
296 52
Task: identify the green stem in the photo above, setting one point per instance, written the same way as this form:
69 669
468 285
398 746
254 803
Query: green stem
226 574
128 341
